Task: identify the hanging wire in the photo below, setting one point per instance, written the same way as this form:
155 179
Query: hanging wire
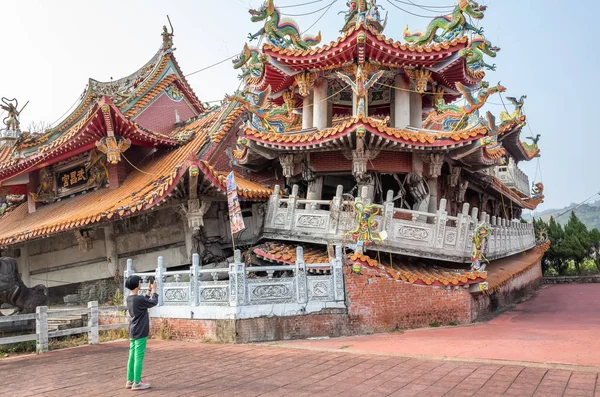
300 5
309 13
210 66
65 113
318 19
408 12
424 7
578 205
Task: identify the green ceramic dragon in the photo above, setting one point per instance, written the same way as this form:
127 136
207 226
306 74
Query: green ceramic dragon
451 25
280 33
474 54
251 62
454 117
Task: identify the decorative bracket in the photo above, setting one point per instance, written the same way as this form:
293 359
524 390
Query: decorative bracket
455 176
305 82
359 158
113 146
195 213
85 239
288 161
462 190
435 161
418 78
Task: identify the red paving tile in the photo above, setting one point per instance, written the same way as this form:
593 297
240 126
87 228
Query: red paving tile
195 369
559 325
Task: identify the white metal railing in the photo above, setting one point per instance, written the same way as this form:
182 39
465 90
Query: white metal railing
42 335
188 289
433 235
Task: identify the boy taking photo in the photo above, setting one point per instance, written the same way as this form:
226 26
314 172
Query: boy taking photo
139 328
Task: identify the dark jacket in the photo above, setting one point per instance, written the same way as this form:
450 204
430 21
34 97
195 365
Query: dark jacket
138 306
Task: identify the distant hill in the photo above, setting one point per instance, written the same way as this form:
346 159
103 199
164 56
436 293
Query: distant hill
589 214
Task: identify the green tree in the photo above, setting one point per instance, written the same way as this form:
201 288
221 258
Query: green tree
595 242
577 243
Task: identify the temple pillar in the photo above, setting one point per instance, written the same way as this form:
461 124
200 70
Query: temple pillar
23 263
320 104
307 112
315 188
112 256
188 235
416 110
435 161
116 174
32 186
401 102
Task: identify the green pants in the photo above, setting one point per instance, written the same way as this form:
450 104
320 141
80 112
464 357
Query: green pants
137 348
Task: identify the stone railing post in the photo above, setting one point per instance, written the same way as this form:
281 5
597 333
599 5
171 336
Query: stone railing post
388 213
41 328
462 226
291 210
441 218
301 285
93 337
195 273
335 210
273 206
338 275
159 280
237 280
128 272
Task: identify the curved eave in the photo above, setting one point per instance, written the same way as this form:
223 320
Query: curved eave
497 185
378 48
246 189
273 76
518 150
456 70
338 136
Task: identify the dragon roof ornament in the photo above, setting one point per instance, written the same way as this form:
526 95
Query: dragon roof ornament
451 26
474 52
279 32
455 117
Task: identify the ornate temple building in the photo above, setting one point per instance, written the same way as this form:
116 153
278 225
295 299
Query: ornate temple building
367 171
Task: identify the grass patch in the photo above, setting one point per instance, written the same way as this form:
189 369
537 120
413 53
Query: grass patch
346 347
452 323
435 324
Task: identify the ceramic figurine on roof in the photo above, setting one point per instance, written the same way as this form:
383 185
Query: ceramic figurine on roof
452 25
251 62
360 86
475 51
279 32
266 117
167 37
505 116
11 121
363 11
454 117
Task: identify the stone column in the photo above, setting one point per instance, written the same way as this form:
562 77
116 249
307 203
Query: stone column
320 104
24 265
307 112
112 257
433 194
401 102
188 236
416 110
315 188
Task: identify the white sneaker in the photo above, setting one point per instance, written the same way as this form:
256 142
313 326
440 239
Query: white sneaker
129 384
140 386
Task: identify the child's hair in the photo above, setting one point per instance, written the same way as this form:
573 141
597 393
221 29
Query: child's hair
132 282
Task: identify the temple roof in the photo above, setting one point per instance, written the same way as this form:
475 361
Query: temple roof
148 185
366 44
105 108
492 182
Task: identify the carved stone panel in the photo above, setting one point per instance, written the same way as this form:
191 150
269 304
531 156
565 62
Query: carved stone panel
176 293
312 221
214 294
320 288
450 237
260 291
415 233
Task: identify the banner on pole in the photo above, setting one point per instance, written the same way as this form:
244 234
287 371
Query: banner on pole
236 220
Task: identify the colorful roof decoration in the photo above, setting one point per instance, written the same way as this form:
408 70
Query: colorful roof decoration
147 185
246 189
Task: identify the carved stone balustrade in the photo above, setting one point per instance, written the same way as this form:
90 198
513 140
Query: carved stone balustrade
183 294
448 238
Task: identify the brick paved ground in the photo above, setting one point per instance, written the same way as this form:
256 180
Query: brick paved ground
184 368
559 325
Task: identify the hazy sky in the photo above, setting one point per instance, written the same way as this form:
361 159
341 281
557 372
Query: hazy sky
549 52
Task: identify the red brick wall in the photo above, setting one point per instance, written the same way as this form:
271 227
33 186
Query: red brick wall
185 329
386 161
381 303
160 116
483 305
